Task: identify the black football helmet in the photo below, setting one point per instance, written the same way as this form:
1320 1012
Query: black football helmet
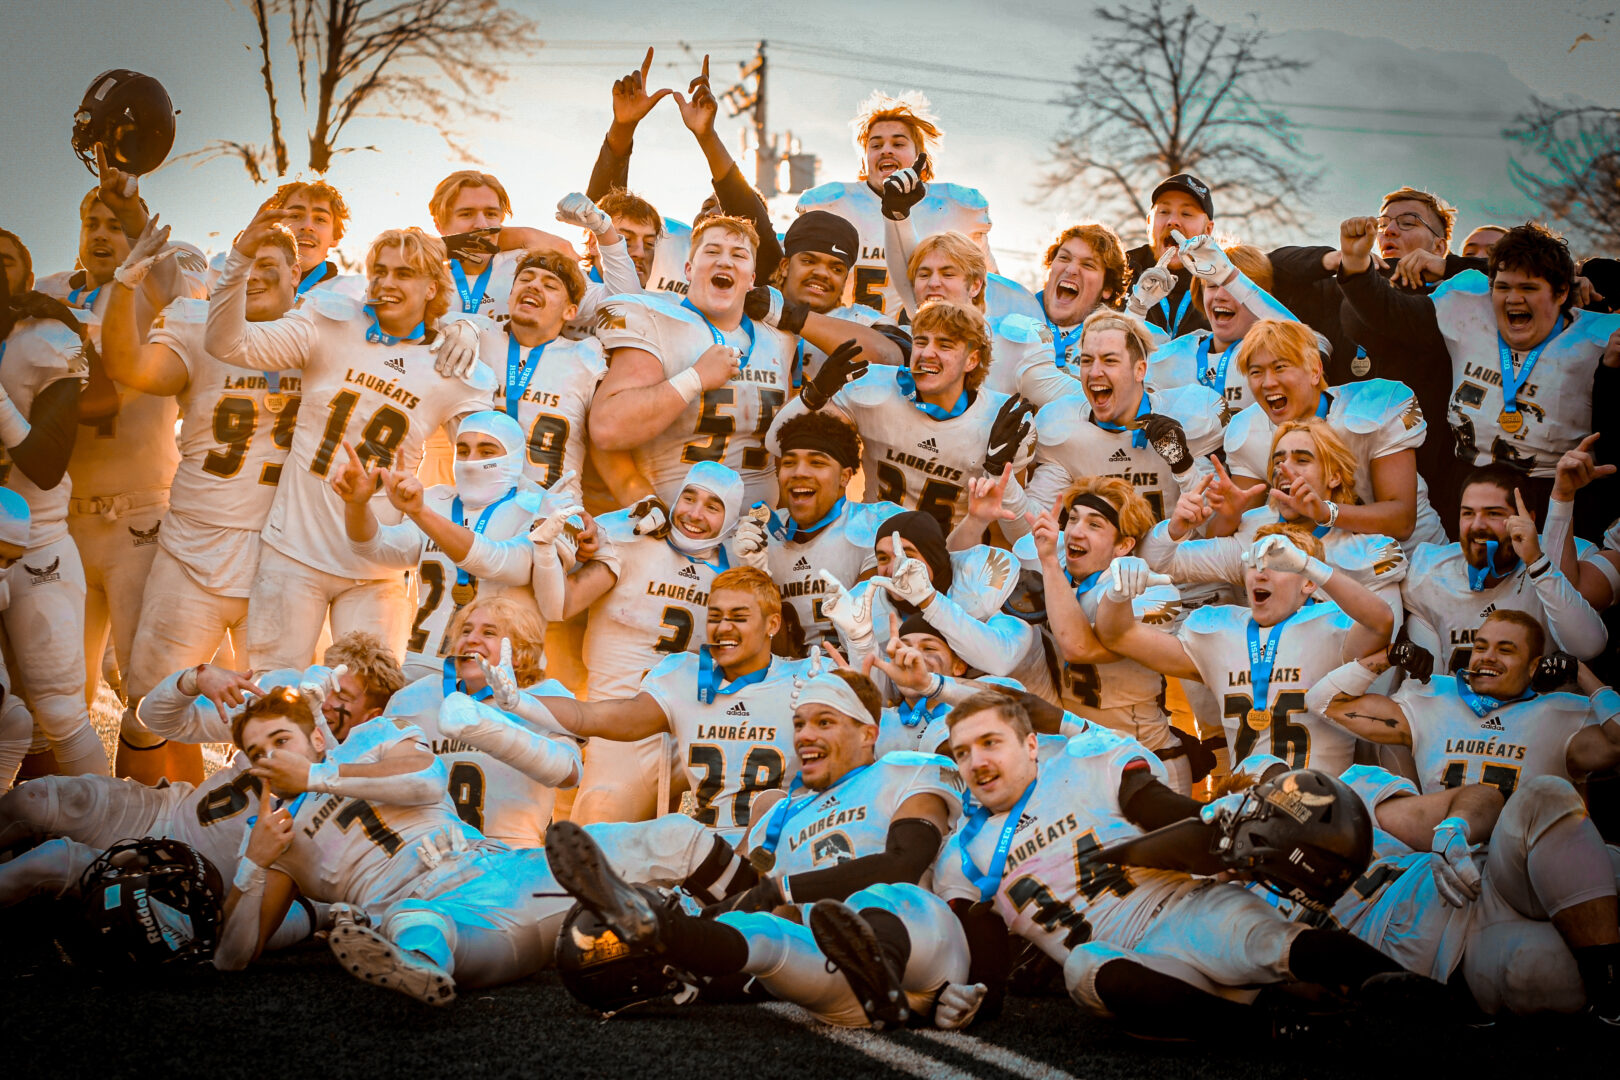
1304 835
151 902
130 115
606 972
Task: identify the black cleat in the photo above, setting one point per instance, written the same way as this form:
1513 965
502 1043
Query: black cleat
579 867
848 941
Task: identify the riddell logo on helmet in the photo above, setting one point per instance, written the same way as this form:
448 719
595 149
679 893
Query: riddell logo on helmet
143 912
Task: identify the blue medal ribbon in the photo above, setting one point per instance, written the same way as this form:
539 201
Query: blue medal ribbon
520 370
792 528
917 712
719 338
89 301
1060 340
1262 660
376 336
292 807
990 880
908 387
710 678
1138 436
798 364
1323 404
453 684
787 810
1511 384
1481 705
471 298
462 577
315 277
1477 575
1214 379
1318 532
1164 309
1085 584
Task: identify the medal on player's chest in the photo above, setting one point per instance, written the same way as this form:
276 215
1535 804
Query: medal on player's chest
275 402
464 592
1258 719
1360 365
762 860
1510 421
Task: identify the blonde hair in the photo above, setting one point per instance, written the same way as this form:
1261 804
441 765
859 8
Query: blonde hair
370 661
1285 340
1302 538
1137 343
961 251
729 223
281 238
1438 206
444 196
1331 451
519 623
1254 263
1136 518
426 255
959 323
756 583
1110 252
911 109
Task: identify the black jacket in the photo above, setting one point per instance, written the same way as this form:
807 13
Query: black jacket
1139 259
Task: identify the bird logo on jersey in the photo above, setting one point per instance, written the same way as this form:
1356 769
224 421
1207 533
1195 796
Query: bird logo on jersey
1389 557
144 538
45 575
1413 416
1288 798
610 318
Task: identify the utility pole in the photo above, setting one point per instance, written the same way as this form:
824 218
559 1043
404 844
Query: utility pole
743 98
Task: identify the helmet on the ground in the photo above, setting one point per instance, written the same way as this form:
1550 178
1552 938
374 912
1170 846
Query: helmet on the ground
1304 835
606 972
130 115
150 902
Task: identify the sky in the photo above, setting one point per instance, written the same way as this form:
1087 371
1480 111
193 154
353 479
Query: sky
1400 91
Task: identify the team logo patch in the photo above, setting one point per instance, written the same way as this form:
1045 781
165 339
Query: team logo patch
802 564
1119 455
738 709
395 362
46 574
144 538
1492 723
609 317
687 572
1413 416
929 445
1288 798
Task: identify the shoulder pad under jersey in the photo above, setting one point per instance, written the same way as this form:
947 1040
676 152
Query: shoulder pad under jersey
183 309
331 305
879 384
617 526
669 665
1158 606
863 521
1240 429
911 759
821 195
1369 404
960 194
1200 410
992 574
673 227
1380 557
1594 327
1425 559
1174 348
1209 619
415 698
1023 550
856 313
1469 283
1020 328
1005 296
1095 740
1057 421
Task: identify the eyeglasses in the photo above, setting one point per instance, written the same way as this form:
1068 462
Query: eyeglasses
1406 223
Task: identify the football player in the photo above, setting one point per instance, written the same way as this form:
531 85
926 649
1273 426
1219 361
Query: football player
1260 658
468 209
1085 270
824 531
16 725
319 219
925 428
1498 564
1179 204
697 381
1378 420
237 426
369 379
894 134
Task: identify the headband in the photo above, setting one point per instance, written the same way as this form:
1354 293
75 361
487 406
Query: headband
829 690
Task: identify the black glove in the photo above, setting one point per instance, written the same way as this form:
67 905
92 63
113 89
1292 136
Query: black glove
1007 434
1415 660
1169 440
762 897
477 242
651 517
1554 670
904 189
843 366
773 309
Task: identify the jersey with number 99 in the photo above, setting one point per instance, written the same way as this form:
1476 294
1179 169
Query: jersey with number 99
734 747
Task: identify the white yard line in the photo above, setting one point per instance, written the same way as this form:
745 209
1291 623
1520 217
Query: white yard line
999 1056
875 1046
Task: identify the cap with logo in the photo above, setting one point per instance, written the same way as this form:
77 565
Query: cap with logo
1188 184
823 232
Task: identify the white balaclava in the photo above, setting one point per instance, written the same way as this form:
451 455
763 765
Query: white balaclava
480 483
727 486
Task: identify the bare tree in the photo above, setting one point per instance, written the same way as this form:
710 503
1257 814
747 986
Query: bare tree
432 62
1165 90
1578 182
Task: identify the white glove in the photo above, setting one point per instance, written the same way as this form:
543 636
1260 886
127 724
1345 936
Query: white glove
749 543
149 248
957 1005
1218 810
455 349
909 581
501 679
651 517
577 209
547 530
1456 877
1205 260
1277 552
316 692
851 614
1152 285
1130 577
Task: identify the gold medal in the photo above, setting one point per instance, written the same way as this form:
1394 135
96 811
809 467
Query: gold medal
1259 719
275 402
464 594
1360 365
762 860
1510 420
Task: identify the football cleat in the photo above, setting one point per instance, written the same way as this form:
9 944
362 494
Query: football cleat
367 955
581 869
848 941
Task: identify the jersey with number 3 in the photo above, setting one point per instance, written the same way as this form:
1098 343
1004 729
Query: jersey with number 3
726 424
735 746
1216 637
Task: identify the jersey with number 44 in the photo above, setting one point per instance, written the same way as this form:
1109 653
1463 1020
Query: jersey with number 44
1216 637
735 746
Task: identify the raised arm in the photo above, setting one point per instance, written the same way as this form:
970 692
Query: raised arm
152 368
635 401
1119 631
1342 697
278 345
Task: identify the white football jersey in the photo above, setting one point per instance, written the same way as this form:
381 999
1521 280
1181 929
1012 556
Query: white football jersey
38 353
1193 360
1054 892
1023 361
845 548
1516 743
133 451
1555 402
1069 445
734 747
728 424
851 819
553 407
1375 418
1004 296
384 400
909 458
212 816
658 607
670 254
808 358
946 208
490 300
1216 639
232 449
488 794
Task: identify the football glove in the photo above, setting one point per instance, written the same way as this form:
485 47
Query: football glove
455 349
1205 260
1008 432
576 208
1413 659
1130 577
501 678
651 517
904 189
1554 670
773 309
850 614
845 364
1169 440
1456 877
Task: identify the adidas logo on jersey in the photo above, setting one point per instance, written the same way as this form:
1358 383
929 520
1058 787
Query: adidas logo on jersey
1119 455
1487 610
395 362
738 709
688 572
1023 821
1492 723
929 445
802 564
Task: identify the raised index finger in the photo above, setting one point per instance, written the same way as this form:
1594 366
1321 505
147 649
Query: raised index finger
646 65
705 75
266 802
1518 500
1586 443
